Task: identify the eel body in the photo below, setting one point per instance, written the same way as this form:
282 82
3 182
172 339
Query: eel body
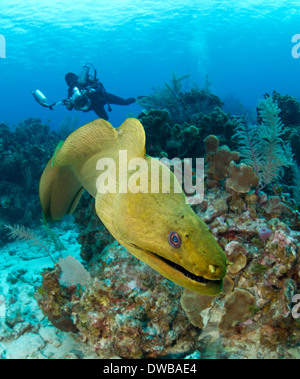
155 225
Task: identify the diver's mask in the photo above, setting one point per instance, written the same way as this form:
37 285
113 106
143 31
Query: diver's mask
80 100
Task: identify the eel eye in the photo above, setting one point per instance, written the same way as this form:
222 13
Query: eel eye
174 240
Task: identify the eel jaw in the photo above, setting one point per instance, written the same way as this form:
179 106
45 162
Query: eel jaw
177 273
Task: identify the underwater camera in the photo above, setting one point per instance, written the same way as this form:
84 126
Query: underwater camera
80 100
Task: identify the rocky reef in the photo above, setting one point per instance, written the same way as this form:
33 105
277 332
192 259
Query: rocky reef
254 312
23 154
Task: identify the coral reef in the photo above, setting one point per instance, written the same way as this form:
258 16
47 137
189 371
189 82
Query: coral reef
23 154
218 159
262 146
177 121
296 187
237 309
265 267
128 310
54 300
182 105
241 178
289 109
290 116
25 333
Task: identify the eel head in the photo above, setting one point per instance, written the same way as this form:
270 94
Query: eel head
162 230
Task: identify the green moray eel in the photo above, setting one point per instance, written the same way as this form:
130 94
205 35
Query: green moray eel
158 227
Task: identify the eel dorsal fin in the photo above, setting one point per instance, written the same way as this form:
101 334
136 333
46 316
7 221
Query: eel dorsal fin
74 162
83 143
100 136
132 138
95 140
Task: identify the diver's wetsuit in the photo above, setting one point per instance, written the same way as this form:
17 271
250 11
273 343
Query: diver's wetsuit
99 98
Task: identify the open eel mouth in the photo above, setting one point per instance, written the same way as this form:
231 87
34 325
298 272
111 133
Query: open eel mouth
179 274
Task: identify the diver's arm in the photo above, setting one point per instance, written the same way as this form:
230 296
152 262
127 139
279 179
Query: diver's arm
68 104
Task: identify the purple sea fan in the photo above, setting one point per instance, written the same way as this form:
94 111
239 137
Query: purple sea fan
265 233
73 272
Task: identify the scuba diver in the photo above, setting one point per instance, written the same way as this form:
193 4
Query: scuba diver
85 93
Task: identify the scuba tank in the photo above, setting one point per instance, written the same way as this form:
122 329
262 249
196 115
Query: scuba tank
84 75
83 79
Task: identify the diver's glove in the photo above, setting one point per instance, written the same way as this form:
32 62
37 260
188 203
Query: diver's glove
68 104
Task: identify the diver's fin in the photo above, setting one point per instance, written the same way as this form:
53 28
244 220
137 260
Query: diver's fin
60 191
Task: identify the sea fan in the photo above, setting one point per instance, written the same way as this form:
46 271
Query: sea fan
262 147
249 146
73 272
21 233
277 153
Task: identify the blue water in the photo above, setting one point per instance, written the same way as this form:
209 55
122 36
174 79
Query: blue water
244 47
